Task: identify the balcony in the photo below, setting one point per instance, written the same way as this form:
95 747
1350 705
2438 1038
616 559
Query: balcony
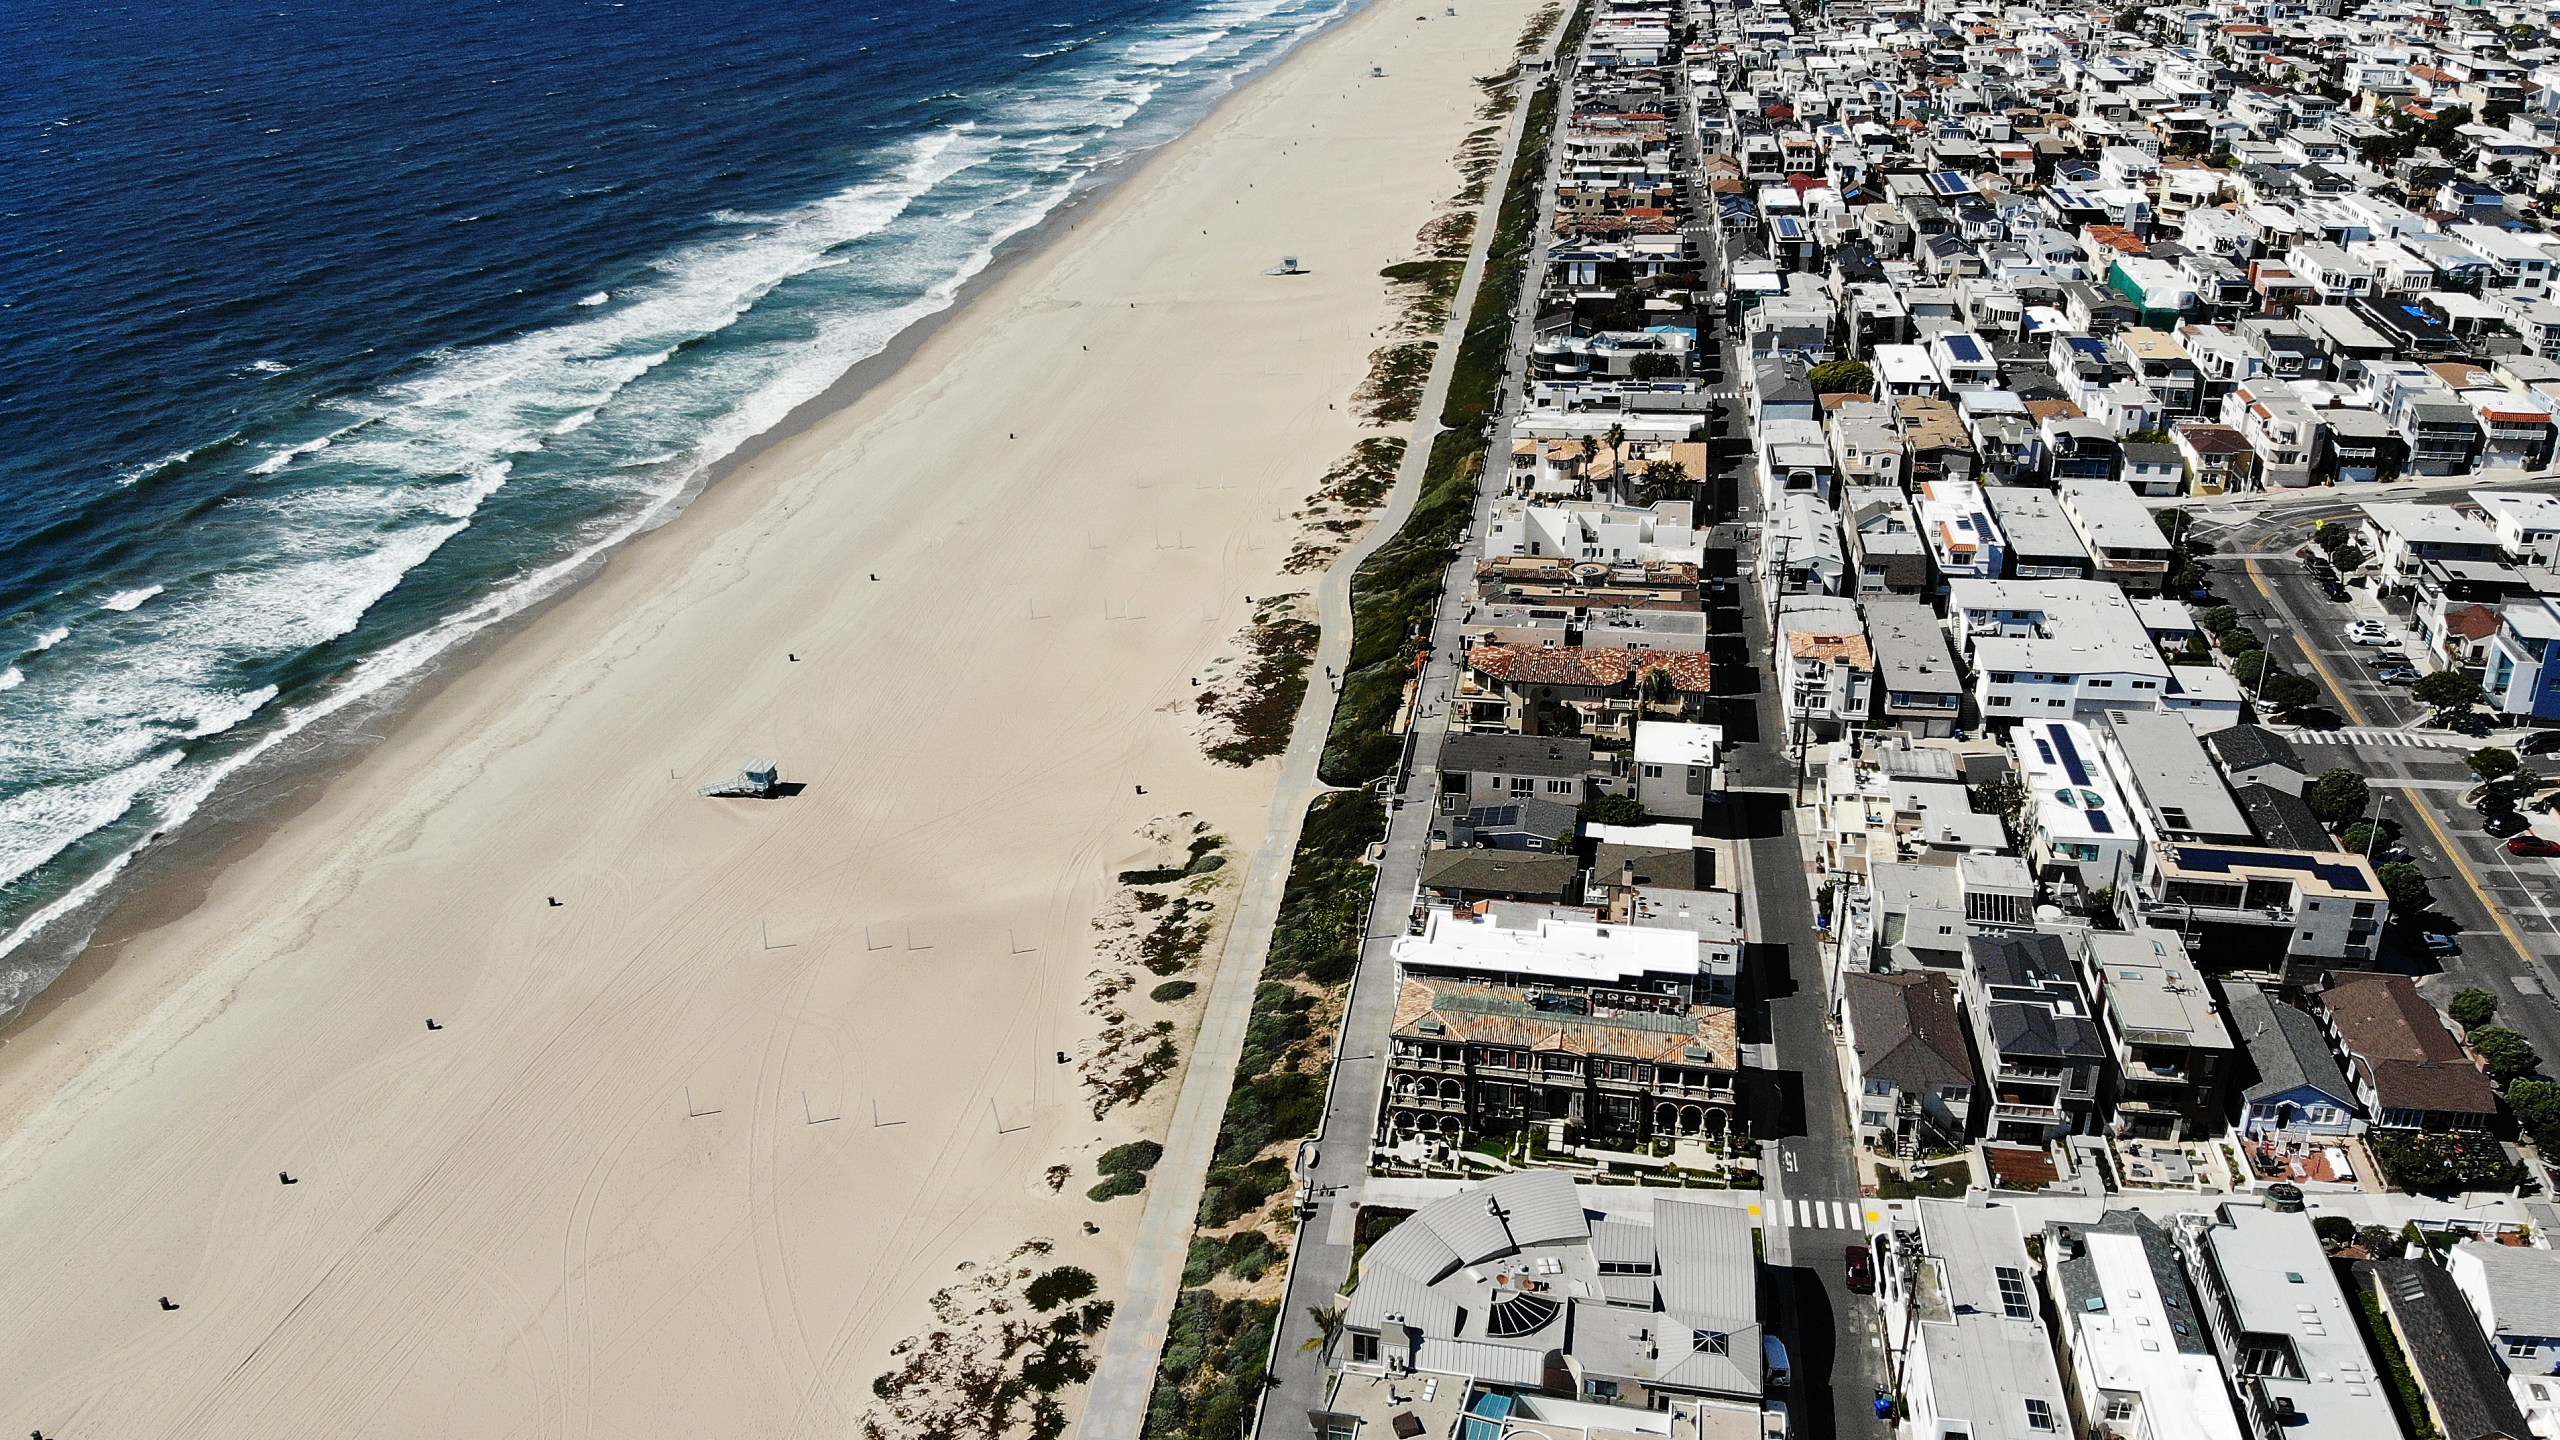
2028 1114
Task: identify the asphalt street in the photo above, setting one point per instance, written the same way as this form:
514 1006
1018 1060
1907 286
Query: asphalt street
2504 909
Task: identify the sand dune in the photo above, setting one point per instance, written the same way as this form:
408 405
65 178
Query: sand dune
594 1202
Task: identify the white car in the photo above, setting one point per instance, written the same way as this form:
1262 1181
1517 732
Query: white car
2368 632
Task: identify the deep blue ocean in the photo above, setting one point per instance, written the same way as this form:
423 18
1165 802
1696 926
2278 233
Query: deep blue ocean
329 335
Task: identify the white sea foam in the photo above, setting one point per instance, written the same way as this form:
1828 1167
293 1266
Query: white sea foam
417 459
267 367
12 677
291 453
130 599
49 639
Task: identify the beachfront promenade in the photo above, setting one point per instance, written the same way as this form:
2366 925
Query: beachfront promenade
1116 1406
1320 1262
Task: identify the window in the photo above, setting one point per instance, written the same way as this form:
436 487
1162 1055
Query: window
1559 787
1364 1348
1713 1342
1600 1389
2119 1407
1522 785
2013 1292
1879 1087
2039 1414
2522 1349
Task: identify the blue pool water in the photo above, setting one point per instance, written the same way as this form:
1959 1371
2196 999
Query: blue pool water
328 335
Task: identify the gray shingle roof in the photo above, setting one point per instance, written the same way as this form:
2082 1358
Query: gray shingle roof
1907 1030
2465 1384
1556 755
2285 1046
2243 746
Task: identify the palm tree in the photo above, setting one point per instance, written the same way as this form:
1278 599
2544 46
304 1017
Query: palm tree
1590 451
1663 478
1617 438
1328 1320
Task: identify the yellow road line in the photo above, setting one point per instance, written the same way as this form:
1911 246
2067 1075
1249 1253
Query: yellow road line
2426 813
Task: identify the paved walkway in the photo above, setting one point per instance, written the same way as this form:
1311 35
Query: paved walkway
1320 1262
1116 1407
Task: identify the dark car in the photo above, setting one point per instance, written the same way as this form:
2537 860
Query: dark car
2533 845
2387 660
2335 593
1862 1271
2503 823
2540 742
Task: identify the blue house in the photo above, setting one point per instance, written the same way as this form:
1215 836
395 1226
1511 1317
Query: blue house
2295 1086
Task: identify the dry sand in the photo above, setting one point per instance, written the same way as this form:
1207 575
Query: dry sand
511 1226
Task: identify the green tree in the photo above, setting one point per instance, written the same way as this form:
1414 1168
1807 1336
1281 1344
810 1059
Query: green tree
2240 639
2334 1231
2507 1054
1663 480
2248 665
2219 621
2338 796
1654 365
1614 810
2493 762
2285 690
2360 837
2536 1103
2406 886
2473 1008
1328 1320
2005 797
2379 1242
1842 377
1616 439
2446 690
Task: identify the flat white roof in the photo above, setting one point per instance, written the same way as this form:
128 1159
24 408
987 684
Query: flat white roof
2131 1344
1676 742
2529 513
1559 949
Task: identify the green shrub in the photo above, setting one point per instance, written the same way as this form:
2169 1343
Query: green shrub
1067 1282
1171 991
1127 1182
1136 1157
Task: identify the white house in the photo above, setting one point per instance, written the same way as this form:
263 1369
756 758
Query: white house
1675 767
2054 649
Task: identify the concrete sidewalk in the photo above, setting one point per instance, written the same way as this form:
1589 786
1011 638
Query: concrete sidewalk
1124 1380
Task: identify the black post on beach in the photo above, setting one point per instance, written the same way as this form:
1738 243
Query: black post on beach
168 1304
285 1177
431 1023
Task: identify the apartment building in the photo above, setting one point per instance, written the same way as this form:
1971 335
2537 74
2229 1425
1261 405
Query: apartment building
2039 1047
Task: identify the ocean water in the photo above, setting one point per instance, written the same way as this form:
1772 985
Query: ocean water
330 335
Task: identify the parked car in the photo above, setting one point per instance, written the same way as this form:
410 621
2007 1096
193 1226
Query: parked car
2396 675
2502 823
2440 945
1862 1270
2533 845
2540 742
2368 632
1773 1361
2385 659
2335 593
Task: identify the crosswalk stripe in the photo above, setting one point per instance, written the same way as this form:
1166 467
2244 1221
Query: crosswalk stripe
1841 1213
1804 1214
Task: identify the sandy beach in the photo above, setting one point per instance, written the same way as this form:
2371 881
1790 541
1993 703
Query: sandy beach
693 1148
